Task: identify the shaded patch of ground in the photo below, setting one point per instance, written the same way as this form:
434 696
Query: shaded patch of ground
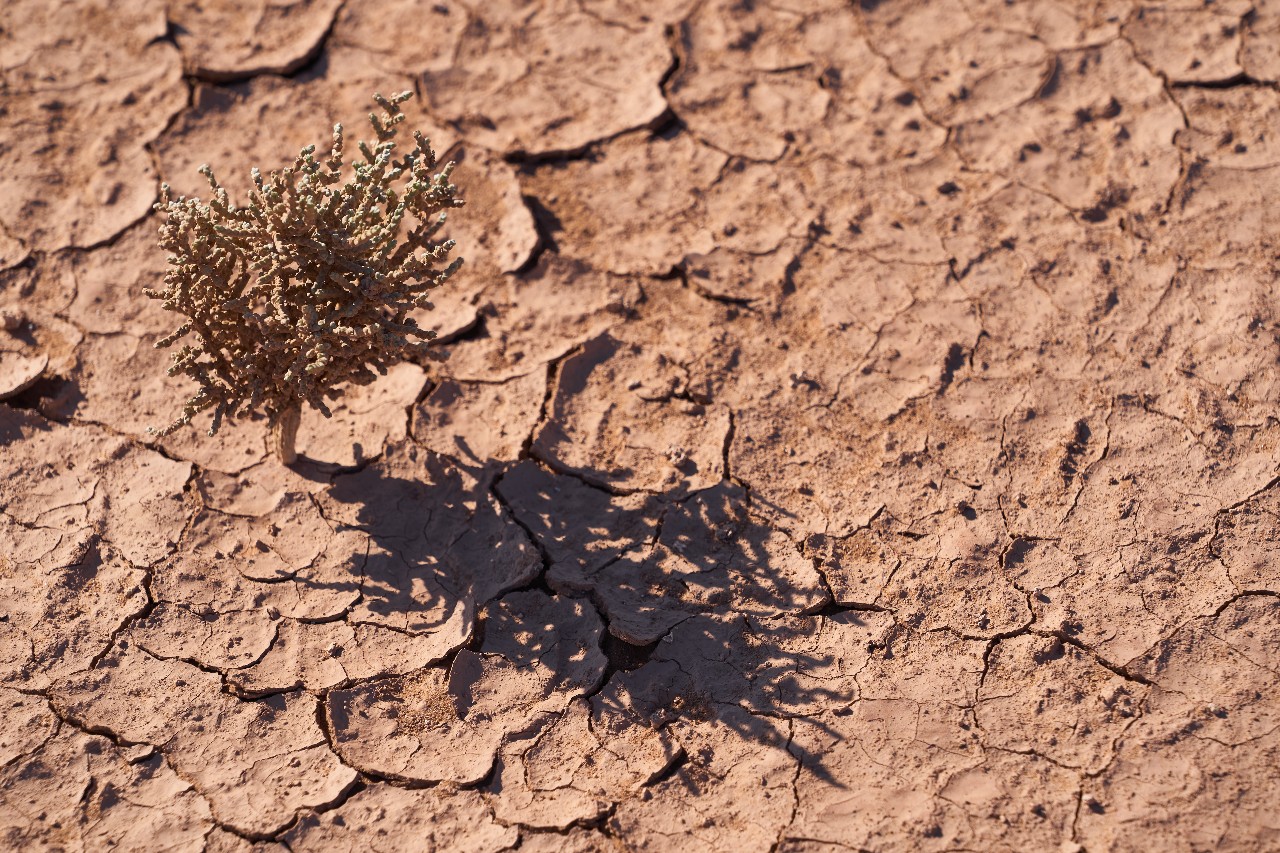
859 433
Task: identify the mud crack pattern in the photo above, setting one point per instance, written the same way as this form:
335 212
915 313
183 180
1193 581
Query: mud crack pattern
859 433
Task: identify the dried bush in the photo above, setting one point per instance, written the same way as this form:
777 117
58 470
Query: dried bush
311 284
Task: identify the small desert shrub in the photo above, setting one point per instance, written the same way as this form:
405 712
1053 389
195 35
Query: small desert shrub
311 284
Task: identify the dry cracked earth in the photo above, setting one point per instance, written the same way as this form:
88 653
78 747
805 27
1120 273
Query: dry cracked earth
860 432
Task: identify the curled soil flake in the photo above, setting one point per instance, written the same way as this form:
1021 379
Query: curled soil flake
322 655
377 34
236 39
516 82
447 724
540 317
637 208
498 229
366 418
476 422
257 763
574 769
19 372
624 444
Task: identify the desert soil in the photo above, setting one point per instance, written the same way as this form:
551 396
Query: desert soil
860 432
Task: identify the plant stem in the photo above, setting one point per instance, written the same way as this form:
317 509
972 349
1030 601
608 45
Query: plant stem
284 432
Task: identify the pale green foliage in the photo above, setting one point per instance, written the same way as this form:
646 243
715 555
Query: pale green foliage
310 285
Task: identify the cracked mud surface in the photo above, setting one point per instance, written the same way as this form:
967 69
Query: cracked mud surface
859 432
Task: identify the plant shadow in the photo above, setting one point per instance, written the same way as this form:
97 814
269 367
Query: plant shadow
707 612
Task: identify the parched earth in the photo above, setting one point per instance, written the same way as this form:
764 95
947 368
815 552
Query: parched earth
860 432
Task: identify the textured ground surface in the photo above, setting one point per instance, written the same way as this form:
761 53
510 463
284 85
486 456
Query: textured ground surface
860 433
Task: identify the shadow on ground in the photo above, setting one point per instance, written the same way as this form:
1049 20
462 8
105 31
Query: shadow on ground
692 612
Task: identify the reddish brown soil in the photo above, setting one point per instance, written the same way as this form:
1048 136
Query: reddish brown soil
860 432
